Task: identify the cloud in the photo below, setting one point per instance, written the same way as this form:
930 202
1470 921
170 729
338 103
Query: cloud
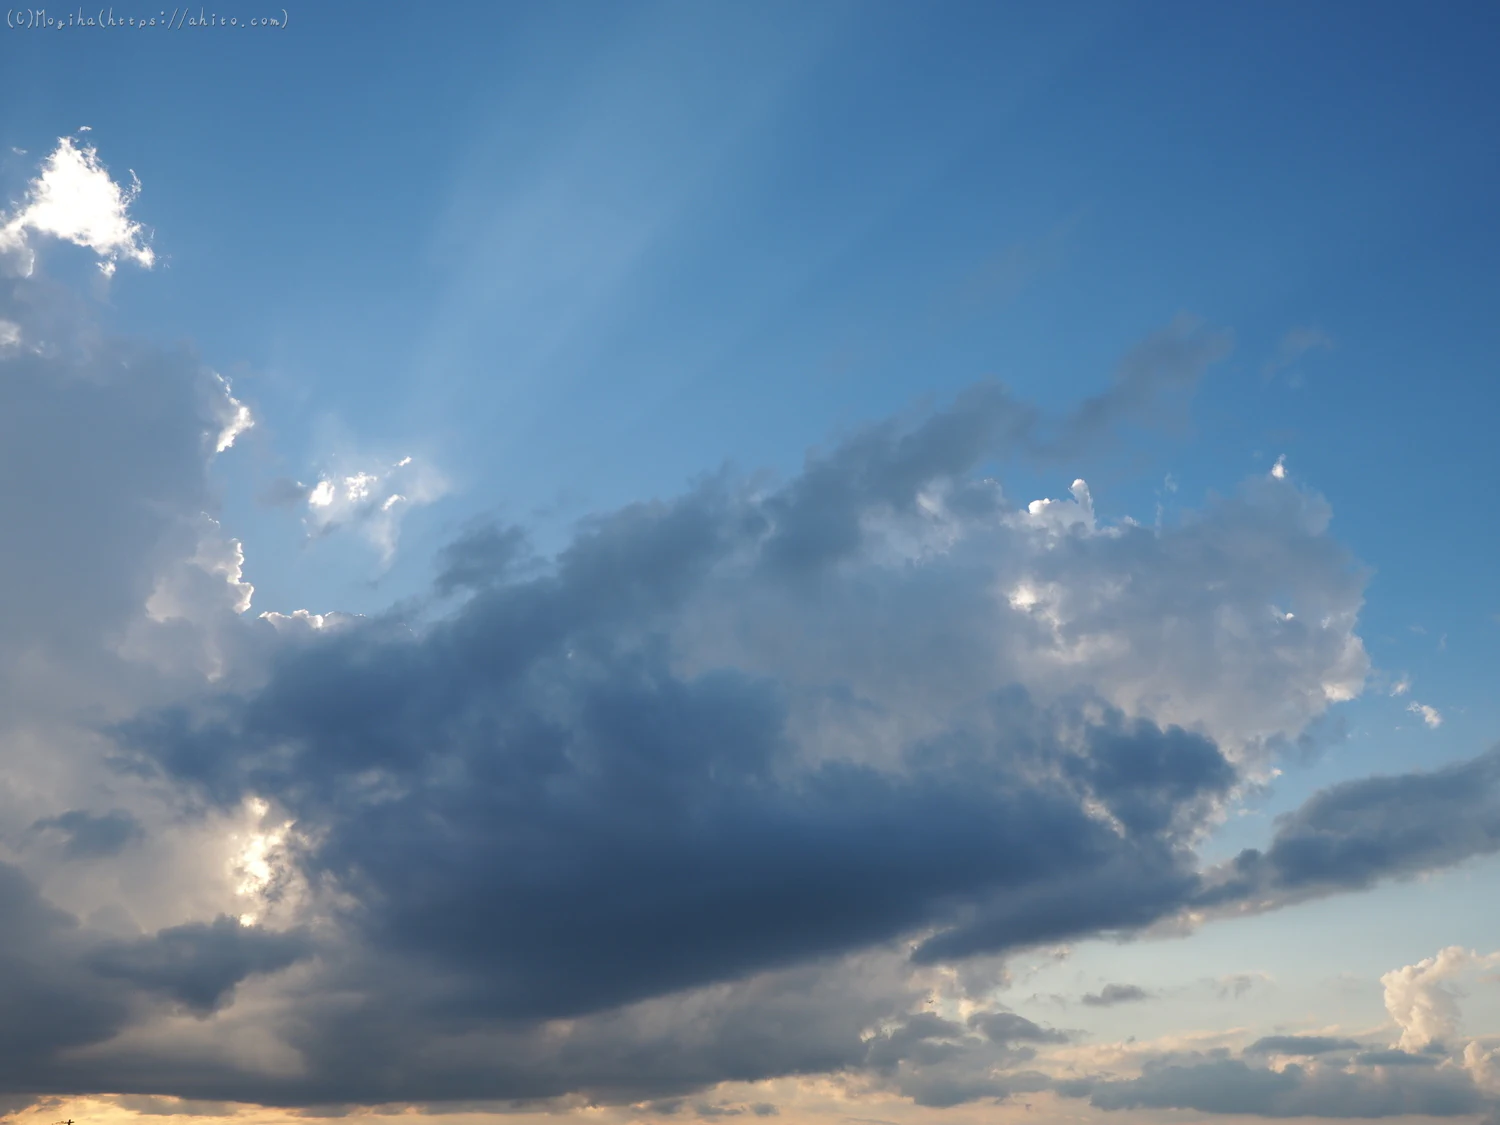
1007 1027
233 415
1235 1087
1112 994
1162 369
63 986
1354 833
686 710
481 557
149 1106
808 864
728 789
1303 1045
1297 343
373 499
712 779
711 741
1429 715
1235 985
117 589
75 199
1417 1000
198 965
87 835
1394 1058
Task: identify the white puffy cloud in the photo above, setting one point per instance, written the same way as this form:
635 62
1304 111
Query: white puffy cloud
1238 621
75 199
190 623
1418 999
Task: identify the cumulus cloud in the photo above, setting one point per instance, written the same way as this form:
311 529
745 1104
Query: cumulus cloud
725 742
1418 1000
730 788
75 199
713 738
114 582
1428 1073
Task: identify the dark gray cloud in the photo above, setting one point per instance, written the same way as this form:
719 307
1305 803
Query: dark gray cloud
1007 1027
1395 1057
938 1063
1304 1045
62 986
570 839
480 557
198 965
815 520
647 832
550 804
87 835
1112 994
45 1003
1352 834
1232 1086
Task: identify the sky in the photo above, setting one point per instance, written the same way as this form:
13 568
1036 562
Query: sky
846 563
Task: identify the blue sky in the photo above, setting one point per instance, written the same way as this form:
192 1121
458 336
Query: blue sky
575 260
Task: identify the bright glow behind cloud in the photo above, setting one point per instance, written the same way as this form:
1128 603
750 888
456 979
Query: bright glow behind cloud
374 500
234 416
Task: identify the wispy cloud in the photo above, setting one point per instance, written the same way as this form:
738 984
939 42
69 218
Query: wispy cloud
1112 994
1429 715
1292 347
